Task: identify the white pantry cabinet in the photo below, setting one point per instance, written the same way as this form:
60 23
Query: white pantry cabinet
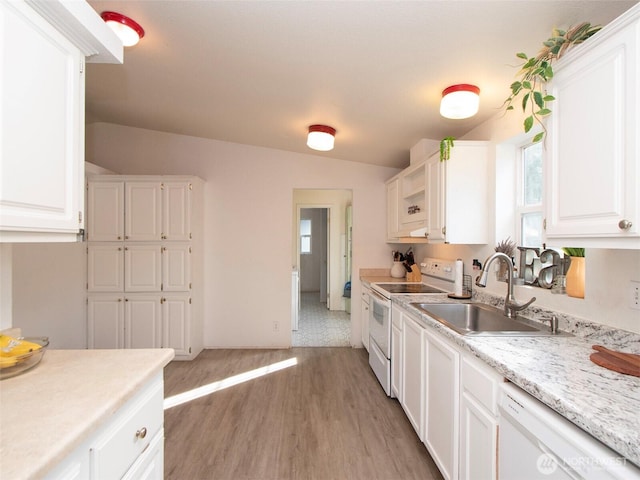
593 145
442 202
42 137
458 195
145 263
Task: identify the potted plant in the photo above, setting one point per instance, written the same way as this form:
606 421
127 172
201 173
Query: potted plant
575 273
446 144
537 71
508 247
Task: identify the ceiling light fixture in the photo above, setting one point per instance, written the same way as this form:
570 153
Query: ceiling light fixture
321 137
129 31
460 101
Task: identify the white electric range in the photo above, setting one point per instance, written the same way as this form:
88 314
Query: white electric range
438 278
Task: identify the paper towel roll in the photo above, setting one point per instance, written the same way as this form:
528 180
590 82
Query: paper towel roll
458 278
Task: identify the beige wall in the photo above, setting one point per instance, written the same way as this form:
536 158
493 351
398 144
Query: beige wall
249 219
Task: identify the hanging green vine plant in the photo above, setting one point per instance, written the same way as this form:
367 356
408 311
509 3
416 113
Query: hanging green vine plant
446 144
537 71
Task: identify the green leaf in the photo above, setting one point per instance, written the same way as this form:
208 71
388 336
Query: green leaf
537 97
510 107
528 123
548 72
522 55
516 87
543 111
526 85
555 49
548 98
525 99
538 137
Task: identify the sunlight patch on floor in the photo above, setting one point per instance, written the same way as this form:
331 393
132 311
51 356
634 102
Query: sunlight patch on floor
213 387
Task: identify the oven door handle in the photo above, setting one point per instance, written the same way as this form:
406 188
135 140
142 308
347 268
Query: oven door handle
379 297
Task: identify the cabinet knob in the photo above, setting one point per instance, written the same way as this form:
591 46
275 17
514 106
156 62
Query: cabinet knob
141 433
624 224
119 237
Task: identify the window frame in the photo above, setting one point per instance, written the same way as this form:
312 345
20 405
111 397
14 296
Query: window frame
521 210
309 236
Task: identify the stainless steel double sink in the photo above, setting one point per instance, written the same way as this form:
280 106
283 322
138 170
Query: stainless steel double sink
481 319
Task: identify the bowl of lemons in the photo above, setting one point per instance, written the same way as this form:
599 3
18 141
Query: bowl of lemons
19 354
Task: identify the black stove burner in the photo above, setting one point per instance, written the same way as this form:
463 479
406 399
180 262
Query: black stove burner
409 288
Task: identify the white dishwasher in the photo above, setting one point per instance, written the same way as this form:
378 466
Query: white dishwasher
536 442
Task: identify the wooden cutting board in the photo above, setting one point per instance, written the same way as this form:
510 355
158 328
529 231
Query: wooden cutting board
627 363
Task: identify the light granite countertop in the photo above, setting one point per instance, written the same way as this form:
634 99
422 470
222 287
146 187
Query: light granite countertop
558 371
48 411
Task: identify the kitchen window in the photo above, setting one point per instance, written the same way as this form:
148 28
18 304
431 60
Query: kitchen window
305 236
529 206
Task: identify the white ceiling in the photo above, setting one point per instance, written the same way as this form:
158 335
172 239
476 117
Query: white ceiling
261 72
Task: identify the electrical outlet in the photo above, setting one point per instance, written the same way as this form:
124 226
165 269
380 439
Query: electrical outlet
276 326
634 295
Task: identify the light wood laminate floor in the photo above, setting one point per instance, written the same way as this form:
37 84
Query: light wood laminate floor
325 417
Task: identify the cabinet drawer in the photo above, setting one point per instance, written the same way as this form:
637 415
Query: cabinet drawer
481 382
129 434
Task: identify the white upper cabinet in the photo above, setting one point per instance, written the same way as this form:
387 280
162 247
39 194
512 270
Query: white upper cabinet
413 200
593 145
458 195
42 135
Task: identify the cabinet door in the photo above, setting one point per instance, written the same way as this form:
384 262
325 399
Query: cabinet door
105 211
143 211
105 327
478 441
142 321
393 209
412 383
364 317
105 266
396 362
143 268
176 323
435 193
176 268
176 211
442 404
42 97
592 173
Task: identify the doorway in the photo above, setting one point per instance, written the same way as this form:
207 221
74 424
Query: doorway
320 262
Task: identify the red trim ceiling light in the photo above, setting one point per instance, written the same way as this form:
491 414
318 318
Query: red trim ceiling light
321 137
460 101
129 31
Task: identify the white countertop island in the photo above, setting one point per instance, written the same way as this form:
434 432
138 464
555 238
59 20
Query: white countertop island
50 410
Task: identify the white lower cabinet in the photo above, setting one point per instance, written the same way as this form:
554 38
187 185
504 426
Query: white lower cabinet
450 398
396 352
413 378
364 316
130 445
478 420
442 367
